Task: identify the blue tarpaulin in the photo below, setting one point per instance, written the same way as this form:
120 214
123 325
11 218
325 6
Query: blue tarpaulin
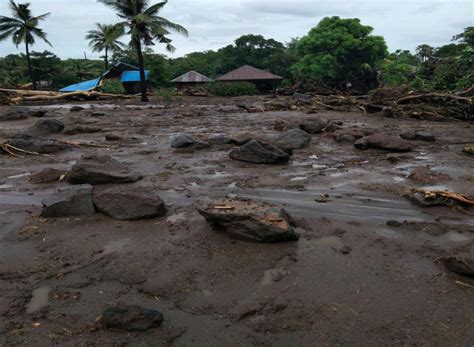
81 87
133 76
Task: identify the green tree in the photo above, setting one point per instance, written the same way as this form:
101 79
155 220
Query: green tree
338 50
398 68
424 52
144 27
22 28
105 38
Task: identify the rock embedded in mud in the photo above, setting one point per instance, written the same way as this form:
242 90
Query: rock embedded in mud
12 116
386 142
420 135
183 141
129 202
76 109
314 126
81 129
112 137
220 139
459 265
131 318
259 153
293 139
424 174
44 127
38 145
69 202
249 220
101 169
47 175
277 105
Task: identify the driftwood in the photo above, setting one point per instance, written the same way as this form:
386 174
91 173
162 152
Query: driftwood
21 96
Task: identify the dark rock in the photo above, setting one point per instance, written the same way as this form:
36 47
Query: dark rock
37 113
394 223
255 108
47 176
346 250
383 141
76 109
422 200
314 126
351 134
38 145
13 114
112 137
396 158
259 153
459 265
129 203
283 125
101 169
183 141
249 220
421 136
98 114
131 318
242 137
44 127
386 112
69 202
81 129
277 105
294 139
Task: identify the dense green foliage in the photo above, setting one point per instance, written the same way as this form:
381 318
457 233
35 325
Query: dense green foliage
338 50
231 88
112 87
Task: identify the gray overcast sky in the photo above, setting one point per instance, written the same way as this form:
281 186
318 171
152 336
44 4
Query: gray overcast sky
213 24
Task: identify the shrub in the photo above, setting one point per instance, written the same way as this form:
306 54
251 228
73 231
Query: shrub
113 87
231 88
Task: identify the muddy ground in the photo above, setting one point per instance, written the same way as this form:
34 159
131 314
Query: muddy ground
350 280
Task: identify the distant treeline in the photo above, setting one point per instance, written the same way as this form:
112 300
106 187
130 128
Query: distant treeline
333 53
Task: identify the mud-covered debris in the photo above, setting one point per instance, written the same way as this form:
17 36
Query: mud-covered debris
351 134
38 145
459 265
384 141
131 318
424 174
258 152
249 220
220 139
81 129
48 175
277 105
419 135
242 137
69 202
427 198
44 127
293 139
12 116
468 149
129 202
101 169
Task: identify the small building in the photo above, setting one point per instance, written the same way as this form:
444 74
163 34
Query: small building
190 79
128 74
264 80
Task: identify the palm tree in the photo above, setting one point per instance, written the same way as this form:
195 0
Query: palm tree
144 26
106 38
23 28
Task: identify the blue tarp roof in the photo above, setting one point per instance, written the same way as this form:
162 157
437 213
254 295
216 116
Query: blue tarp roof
133 76
82 87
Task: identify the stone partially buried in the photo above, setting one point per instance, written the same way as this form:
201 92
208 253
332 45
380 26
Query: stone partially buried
259 153
131 318
127 202
249 220
101 169
69 202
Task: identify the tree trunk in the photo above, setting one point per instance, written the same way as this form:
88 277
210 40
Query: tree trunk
30 68
141 65
106 59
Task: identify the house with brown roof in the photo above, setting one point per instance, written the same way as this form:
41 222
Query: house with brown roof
264 80
190 79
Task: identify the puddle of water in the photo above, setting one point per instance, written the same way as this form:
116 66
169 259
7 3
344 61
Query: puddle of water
39 300
176 218
114 246
297 179
454 236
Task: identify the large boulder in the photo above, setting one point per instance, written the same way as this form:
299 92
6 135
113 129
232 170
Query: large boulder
294 139
259 153
69 202
386 142
187 141
38 145
101 169
131 318
129 203
249 220
44 127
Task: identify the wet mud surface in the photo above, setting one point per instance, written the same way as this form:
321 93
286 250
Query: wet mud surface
351 279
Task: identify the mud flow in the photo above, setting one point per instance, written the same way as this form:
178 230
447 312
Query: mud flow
115 211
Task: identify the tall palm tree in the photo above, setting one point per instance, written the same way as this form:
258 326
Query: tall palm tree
106 38
23 28
144 26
